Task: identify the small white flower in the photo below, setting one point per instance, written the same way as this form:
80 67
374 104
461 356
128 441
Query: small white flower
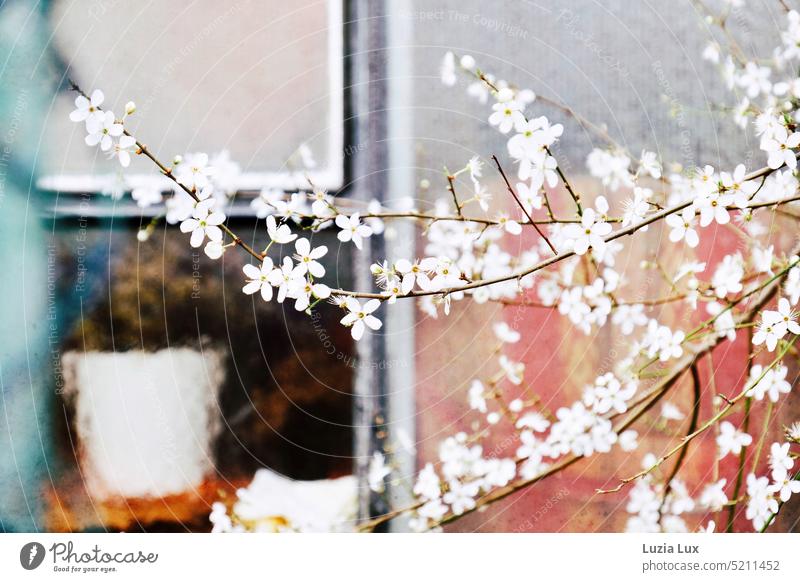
731 440
682 227
448 69
102 129
306 258
193 171
671 412
284 278
446 275
713 496
770 330
86 109
636 208
761 504
771 383
785 485
737 187
267 202
428 485
662 342
505 333
467 62
709 528
534 421
780 149
306 156
728 276
588 234
352 229
793 432
627 440
628 317
377 473
724 324
258 279
202 224
461 496
762 259
360 317
711 52
214 249
475 168
755 80
279 234
788 317
649 164
510 226
415 273
477 396
220 518
529 196
146 196
514 370
322 205
507 116
779 457
713 207
122 150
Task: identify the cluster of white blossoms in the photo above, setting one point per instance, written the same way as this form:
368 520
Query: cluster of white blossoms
655 512
464 472
765 494
293 278
775 325
567 257
655 509
705 198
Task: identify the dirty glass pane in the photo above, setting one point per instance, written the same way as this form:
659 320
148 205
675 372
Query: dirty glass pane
174 388
205 76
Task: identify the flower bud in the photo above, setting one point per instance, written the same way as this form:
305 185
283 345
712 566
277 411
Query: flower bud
130 108
143 235
467 62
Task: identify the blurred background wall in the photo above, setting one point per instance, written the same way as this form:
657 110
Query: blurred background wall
635 68
249 77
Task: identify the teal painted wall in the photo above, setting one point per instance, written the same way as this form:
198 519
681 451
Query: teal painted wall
27 389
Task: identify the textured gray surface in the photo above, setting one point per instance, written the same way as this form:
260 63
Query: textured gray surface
633 65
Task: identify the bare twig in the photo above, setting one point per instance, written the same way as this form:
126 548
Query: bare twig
521 205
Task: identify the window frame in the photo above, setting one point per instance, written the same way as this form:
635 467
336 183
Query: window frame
362 96
331 177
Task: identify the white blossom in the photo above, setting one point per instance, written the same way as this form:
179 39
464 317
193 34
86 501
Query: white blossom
279 234
377 473
731 440
101 129
202 224
713 496
682 227
359 317
258 279
352 229
86 109
307 258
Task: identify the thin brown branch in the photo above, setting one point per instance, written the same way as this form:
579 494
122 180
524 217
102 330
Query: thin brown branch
521 205
451 187
575 197
685 450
